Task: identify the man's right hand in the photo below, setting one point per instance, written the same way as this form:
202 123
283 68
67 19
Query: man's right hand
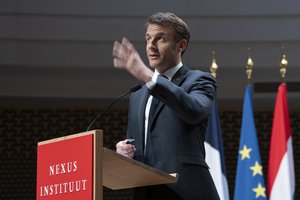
125 149
126 57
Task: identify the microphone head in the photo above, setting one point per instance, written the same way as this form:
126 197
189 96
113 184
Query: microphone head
135 88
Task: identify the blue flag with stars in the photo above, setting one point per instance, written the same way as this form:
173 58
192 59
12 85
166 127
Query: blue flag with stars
249 180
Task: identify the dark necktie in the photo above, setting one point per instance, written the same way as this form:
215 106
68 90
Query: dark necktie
149 154
153 107
149 158
152 111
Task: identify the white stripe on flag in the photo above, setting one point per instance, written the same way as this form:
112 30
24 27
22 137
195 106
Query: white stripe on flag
281 189
212 158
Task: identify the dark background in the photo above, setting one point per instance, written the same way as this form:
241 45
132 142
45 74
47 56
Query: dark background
21 129
56 72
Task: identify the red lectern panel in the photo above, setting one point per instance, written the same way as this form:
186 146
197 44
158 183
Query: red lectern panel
65 168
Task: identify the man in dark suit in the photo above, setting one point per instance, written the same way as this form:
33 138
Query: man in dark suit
168 115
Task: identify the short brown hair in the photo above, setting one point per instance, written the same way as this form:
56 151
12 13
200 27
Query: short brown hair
170 19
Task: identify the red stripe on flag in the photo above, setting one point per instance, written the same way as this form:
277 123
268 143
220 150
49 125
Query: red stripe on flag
280 135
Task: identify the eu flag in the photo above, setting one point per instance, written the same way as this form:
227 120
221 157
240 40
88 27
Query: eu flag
215 154
249 181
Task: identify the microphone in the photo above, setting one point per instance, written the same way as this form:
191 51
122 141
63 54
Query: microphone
133 89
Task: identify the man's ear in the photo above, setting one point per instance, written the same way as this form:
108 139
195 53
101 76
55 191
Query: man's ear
181 45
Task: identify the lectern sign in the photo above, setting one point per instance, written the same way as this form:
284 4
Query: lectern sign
65 168
75 167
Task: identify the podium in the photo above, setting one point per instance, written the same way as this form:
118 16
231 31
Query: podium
78 166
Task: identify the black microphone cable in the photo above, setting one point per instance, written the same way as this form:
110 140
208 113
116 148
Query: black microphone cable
133 89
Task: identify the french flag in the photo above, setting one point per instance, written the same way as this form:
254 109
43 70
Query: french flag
214 153
281 175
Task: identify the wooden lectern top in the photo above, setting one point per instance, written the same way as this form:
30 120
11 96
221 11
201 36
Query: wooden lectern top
120 172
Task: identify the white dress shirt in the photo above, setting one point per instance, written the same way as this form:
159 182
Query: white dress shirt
169 74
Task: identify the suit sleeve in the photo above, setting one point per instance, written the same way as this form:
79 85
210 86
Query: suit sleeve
191 100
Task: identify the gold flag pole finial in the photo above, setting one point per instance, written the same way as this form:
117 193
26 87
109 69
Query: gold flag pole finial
214 66
283 64
249 66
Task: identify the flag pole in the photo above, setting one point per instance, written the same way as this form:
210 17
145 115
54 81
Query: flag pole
214 144
249 180
281 172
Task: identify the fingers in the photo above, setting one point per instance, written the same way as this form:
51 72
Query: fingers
129 46
128 152
122 52
126 57
120 55
118 63
125 149
116 48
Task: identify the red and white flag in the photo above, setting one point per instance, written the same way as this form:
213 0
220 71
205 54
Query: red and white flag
281 175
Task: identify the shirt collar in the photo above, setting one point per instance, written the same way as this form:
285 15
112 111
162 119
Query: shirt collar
171 72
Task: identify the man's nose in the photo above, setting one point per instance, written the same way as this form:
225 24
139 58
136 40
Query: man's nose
152 45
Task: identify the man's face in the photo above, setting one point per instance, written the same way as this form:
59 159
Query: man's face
162 51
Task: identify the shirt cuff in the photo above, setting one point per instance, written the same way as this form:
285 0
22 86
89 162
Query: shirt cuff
153 81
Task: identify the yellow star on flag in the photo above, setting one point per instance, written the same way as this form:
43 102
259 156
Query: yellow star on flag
257 169
245 152
260 191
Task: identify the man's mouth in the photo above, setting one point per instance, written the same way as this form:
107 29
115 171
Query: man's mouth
153 56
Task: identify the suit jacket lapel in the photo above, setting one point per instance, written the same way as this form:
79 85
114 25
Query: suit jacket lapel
141 111
142 104
179 76
177 79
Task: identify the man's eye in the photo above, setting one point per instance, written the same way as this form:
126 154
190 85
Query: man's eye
162 39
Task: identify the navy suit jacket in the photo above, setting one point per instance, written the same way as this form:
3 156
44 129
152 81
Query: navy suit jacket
178 129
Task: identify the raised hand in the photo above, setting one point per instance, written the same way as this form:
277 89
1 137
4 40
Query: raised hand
126 57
